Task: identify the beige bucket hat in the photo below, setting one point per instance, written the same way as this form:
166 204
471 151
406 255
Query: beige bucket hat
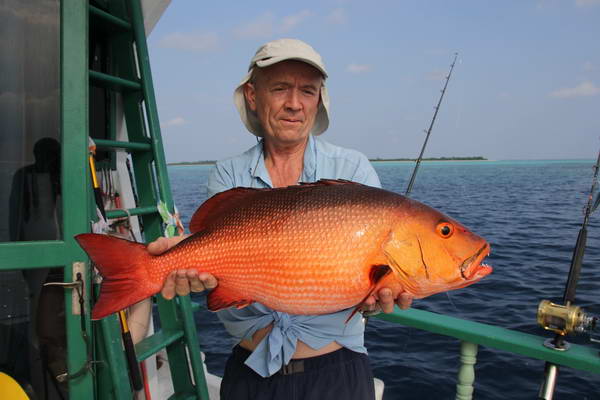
272 53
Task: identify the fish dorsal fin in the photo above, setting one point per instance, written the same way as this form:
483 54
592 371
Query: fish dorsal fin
212 208
329 182
229 199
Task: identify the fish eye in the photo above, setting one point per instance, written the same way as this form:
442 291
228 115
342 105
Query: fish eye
445 229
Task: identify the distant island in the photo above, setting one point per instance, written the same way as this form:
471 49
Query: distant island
477 158
204 162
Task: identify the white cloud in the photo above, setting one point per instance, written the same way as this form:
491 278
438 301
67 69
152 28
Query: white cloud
268 25
291 21
585 3
190 41
177 121
263 26
546 4
358 68
583 89
588 66
437 75
337 17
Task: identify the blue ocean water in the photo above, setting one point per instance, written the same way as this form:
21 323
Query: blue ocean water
531 213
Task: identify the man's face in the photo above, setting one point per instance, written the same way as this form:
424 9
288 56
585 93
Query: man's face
285 97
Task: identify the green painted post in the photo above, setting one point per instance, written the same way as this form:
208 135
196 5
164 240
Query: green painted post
189 326
75 179
113 356
466 372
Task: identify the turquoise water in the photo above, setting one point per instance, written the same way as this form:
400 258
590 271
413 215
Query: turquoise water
530 212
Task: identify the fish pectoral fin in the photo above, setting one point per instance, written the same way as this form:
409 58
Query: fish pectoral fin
376 274
220 299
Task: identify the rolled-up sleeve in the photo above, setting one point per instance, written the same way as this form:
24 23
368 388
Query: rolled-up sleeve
365 173
220 179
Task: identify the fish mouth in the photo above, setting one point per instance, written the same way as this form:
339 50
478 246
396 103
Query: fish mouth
473 268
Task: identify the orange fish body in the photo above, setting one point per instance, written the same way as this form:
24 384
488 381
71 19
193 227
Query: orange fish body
307 249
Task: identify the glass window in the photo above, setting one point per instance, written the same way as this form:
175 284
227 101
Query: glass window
30 187
32 330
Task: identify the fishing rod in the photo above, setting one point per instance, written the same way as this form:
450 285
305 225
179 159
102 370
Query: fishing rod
567 318
428 131
367 314
571 287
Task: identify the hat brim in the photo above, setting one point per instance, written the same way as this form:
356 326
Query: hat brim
274 60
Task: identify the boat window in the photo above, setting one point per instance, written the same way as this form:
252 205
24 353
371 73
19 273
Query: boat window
101 100
30 187
32 333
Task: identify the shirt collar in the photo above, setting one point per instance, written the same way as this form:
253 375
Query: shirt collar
310 161
258 169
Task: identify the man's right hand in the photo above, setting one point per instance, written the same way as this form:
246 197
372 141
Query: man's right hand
183 281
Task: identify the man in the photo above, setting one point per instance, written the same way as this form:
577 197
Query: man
284 101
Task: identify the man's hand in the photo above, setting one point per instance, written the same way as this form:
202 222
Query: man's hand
183 281
386 302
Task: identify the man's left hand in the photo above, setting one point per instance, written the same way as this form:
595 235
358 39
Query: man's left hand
386 302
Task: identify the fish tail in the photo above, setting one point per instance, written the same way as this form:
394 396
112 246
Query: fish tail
124 267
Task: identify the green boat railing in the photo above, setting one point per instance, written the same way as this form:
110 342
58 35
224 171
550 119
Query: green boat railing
472 334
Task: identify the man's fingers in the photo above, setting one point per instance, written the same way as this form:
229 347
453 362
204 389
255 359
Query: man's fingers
370 304
386 300
404 300
370 301
182 283
163 244
168 289
158 247
208 280
201 282
196 284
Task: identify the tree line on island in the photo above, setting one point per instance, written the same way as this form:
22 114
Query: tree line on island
475 158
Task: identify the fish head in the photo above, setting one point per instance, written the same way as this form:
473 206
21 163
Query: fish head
430 252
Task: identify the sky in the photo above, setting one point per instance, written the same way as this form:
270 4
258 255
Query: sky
526 84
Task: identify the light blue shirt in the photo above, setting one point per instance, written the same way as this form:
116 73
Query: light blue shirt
322 160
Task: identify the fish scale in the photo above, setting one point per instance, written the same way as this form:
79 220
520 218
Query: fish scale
306 249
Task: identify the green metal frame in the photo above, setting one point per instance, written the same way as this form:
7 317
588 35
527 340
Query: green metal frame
178 334
74 181
76 175
471 334
580 357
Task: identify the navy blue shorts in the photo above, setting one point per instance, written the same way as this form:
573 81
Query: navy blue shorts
342 374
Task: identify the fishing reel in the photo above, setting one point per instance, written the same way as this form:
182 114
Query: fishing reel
564 320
